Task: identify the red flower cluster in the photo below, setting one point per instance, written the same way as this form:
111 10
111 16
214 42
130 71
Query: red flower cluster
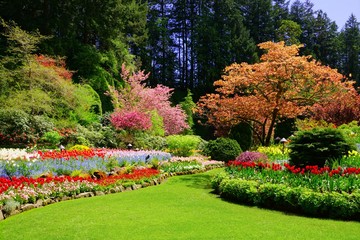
6 183
137 174
293 169
68 154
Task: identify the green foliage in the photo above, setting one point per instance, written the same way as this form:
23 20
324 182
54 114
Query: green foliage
149 142
17 128
243 134
88 105
317 146
299 199
53 138
157 124
351 131
10 206
188 106
351 160
223 149
182 145
289 31
275 152
13 120
183 167
79 147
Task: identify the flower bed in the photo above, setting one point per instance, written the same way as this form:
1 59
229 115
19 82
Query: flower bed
320 192
37 179
58 163
29 190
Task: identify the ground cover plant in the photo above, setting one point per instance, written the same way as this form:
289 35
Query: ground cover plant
183 207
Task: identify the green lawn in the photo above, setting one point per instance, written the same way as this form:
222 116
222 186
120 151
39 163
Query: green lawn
181 208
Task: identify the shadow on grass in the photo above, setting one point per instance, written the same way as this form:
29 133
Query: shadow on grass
199 181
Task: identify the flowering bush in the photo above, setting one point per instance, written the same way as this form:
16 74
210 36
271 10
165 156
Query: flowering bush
138 97
275 152
251 157
130 120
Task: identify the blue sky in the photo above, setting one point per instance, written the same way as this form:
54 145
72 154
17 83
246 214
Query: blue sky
338 10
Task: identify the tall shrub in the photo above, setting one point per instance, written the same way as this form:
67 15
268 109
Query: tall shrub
183 145
223 149
317 146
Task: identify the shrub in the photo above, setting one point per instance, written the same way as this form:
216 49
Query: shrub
351 131
183 145
243 134
79 147
299 200
223 149
317 146
53 138
275 152
252 157
149 142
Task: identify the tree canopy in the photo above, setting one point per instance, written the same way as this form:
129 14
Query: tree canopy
283 84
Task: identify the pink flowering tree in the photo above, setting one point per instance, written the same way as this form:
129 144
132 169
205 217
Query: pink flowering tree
130 120
136 97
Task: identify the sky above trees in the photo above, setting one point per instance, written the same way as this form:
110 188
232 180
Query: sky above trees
338 11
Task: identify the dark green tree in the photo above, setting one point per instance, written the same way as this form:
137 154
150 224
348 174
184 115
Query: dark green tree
350 42
159 57
258 19
325 39
303 14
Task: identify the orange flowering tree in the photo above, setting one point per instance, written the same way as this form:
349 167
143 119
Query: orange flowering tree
282 85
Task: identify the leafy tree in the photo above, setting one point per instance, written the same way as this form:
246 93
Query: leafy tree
343 108
283 84
41 85
159 58
95 45
279 12
289 32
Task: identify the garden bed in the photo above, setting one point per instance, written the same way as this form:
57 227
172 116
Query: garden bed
312 191
37 179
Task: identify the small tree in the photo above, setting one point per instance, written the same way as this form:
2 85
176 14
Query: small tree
135 96
282 85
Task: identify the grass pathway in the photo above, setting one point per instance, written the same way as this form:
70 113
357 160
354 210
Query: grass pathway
181 208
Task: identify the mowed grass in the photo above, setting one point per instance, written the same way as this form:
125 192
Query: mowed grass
183 207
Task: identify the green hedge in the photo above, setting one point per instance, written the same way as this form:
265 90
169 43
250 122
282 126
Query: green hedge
223 149
298 200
